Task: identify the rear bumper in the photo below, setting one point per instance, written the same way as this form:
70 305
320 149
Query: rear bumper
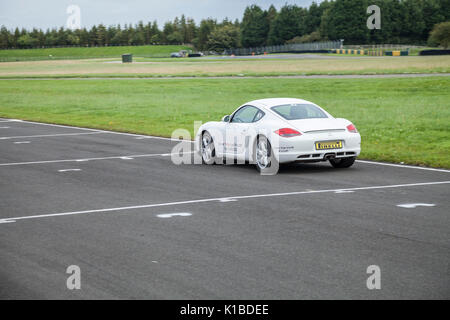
303 148
317 156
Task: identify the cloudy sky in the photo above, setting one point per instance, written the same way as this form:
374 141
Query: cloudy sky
52 13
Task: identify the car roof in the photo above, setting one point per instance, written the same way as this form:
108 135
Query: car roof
272 102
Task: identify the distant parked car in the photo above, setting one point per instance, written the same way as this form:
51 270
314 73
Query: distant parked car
180 54
270 132
195 55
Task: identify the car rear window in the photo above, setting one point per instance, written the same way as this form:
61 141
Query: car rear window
299 111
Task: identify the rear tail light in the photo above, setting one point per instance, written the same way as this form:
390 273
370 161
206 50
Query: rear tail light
287 132
352 128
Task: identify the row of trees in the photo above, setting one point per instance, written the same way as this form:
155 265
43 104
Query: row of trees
402 21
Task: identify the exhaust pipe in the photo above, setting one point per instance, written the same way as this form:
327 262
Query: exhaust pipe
329 156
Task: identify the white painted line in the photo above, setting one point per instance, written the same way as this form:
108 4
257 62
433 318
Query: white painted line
13 219
227 200
21 142
170 215
11 120
344 191
68 170
6 221
50 135
402 166
88 159
4 127
54 125
126 158
415 205
105 131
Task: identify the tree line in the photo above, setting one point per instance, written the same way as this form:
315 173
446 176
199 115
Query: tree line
402 21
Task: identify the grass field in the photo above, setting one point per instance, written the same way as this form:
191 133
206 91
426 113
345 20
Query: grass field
404 120
90 52
225 67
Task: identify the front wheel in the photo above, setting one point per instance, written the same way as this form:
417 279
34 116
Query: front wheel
207 149
343 162
266 162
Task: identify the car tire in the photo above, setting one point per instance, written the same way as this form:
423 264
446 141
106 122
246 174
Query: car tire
343 162
265 161
207 149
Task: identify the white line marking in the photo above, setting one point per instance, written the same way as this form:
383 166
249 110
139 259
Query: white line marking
126 158
414 205
4 127
227 200
101 130
68 170
402 166
11 120
7 221
21 142
170 215
87 159
344 191
13 219
51 135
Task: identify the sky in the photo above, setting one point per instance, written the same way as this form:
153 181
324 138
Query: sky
52 13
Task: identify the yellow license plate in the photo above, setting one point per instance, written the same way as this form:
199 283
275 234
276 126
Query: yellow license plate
328 145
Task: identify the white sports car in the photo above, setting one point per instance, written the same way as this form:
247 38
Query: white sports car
270 132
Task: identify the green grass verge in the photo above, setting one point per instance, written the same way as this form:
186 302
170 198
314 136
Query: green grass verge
400 120
90 52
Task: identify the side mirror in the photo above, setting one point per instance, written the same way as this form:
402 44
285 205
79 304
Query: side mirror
226 119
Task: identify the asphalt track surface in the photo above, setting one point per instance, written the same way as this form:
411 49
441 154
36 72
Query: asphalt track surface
100 200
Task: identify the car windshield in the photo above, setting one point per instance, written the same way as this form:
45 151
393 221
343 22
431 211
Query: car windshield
299 111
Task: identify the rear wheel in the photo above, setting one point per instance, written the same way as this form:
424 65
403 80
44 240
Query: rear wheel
207 149
266 163
343 162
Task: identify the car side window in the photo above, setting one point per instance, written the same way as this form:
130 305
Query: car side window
258 116
245 114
